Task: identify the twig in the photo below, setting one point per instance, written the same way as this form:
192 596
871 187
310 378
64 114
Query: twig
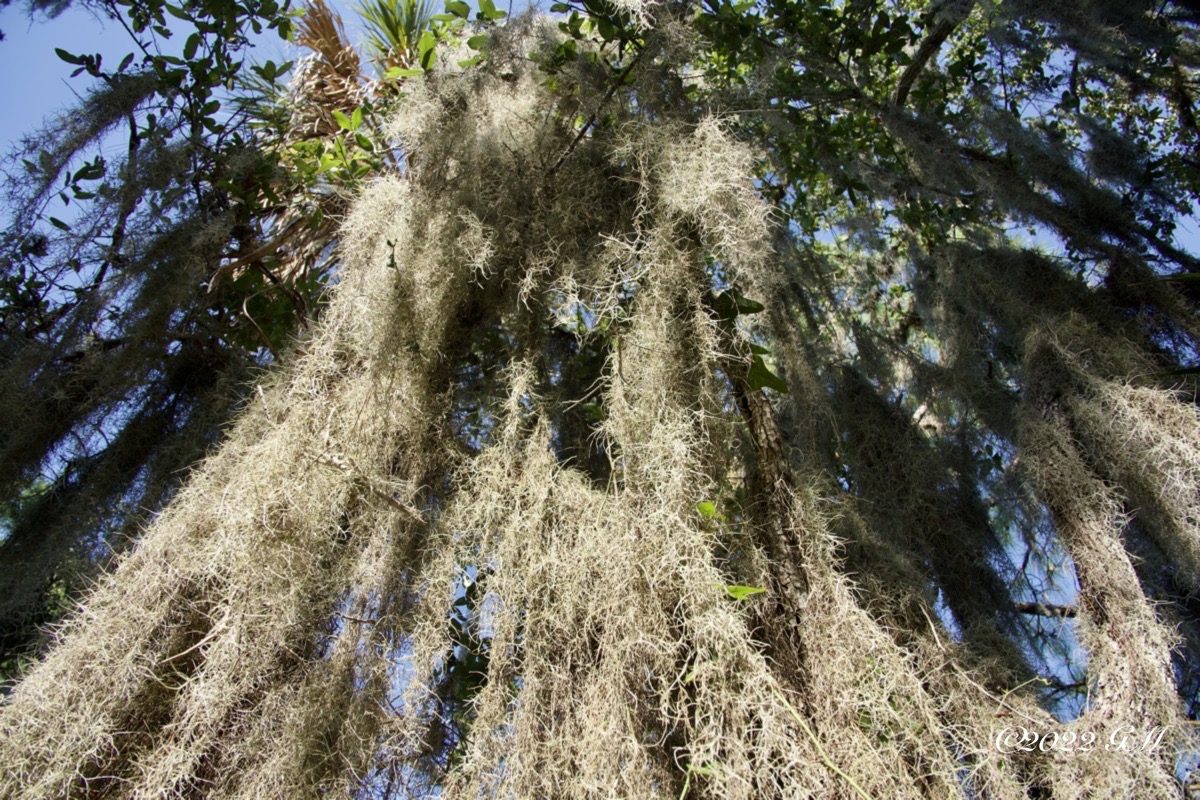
339 464
260 252
820 749
587 126
1046 609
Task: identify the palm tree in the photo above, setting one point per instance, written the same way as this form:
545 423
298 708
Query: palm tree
393 29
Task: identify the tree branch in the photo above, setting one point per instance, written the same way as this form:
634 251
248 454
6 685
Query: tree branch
929 48
1047 610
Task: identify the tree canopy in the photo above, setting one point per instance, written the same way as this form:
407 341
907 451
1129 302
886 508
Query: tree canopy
638 399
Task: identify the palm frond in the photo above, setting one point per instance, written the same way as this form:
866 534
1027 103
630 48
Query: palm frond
329 80
393 28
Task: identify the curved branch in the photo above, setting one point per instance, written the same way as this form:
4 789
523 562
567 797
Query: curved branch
929 48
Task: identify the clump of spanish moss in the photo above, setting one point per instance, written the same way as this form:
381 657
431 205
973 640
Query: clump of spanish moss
525 516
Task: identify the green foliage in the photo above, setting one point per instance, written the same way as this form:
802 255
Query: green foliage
743 592
464 669
731 303
396 30
760 377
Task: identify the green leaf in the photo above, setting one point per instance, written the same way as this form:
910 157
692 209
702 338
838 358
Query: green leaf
356 119
487 11
427 59
477 42
458 9
744 304
90 171
743 592
470 62
760 377
730 303
58 223
364 142
400 72
725 307
269 71
707 509
426 43
426 48
68 57
342 120
189 47
759 350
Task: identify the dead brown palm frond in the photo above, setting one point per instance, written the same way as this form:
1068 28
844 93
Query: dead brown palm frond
326 82
331 79
322 31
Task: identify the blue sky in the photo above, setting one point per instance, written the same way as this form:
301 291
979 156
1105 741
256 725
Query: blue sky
37 84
